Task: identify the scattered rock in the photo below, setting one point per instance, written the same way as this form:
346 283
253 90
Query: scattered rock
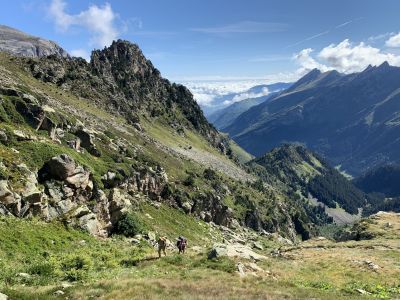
23 136
187 207
254 267
6 196
24 275
138 237
66 285
3 137
59 293
156 204
241 268
362 292
148 216
371 265
151 236
234 250
258 246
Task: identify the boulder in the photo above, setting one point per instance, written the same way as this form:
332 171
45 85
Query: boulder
6 196
59 167
23 136
187 207
80 179
90 223
3 137
234 250
258 246
3 296
151 236
86 141
31 192
241 268
59 293
119 204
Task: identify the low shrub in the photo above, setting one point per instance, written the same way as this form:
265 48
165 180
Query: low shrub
129 225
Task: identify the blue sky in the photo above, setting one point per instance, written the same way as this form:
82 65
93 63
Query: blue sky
223 46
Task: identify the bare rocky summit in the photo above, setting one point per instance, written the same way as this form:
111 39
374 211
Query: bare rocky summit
21 44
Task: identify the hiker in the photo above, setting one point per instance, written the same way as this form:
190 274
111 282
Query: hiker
162 244
181 244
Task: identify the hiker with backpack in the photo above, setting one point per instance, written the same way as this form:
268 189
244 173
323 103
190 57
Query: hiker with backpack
181 244
162 245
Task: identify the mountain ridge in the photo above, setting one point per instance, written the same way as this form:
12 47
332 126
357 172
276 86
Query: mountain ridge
331 114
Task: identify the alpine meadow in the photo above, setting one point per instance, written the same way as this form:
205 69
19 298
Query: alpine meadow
199 149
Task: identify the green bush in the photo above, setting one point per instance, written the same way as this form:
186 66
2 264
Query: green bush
45 268
189 181
210 174
128 225
76 266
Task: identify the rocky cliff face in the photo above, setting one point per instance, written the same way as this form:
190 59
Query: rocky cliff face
21 44
122 80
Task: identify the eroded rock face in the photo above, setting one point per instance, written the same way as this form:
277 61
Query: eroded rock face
21 44
211 208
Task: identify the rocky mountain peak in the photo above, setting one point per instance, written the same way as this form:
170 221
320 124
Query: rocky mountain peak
21 44
123 55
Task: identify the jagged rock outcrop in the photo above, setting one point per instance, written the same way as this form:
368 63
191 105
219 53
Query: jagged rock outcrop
121 79
211 208
21 44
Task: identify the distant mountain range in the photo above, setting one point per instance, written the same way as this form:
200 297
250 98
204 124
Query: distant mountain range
353 120
224 116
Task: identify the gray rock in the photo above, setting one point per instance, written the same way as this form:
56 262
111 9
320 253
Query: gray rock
234 250
151 236
21 44
24 275
80 179
66 285
59 293
187 207
258 246
241 268
90 224
87 142
3 296
23 136
119 204
3 137
6 196
61 167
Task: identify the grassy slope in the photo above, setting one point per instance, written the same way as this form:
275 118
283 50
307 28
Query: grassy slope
318 269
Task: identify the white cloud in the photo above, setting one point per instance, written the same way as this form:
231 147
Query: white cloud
98 20
393 41
344 57
247 95
80 53
212 91
206 92
307 62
